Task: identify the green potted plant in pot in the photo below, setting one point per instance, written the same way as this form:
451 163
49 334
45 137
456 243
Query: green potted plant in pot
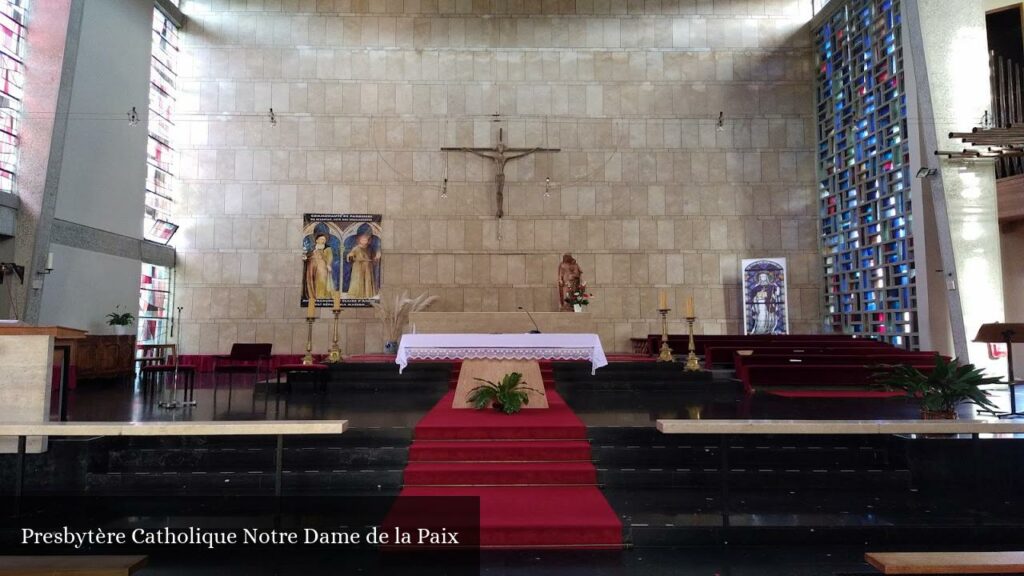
508 396
941 390
121 321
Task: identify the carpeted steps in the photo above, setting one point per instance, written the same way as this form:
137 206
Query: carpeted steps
532 473
500 451
500 474
538 517
557 422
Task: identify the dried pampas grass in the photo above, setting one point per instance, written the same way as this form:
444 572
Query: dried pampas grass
395 314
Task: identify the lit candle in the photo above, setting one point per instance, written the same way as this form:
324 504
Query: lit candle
689 306
662 300
311 308
337 300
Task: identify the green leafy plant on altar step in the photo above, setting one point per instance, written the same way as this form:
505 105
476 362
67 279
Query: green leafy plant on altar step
508 396
941 390
117 318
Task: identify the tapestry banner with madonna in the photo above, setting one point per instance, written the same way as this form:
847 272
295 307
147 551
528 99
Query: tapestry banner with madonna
765 308
341 257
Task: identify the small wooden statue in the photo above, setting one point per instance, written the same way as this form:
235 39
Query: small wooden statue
569 278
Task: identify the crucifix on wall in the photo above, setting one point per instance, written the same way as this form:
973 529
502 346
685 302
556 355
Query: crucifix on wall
500 155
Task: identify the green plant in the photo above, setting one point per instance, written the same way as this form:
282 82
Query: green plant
117 318
940 390
509 395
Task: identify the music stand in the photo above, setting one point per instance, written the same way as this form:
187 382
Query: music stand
999 333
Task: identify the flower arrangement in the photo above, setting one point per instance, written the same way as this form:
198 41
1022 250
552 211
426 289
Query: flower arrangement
395 314
578 296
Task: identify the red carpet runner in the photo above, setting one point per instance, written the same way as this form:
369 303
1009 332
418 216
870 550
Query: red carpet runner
531 471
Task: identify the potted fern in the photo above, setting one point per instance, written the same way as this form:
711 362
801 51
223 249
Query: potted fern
508 396
941 390
121 321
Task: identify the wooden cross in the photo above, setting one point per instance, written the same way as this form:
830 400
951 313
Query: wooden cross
500 155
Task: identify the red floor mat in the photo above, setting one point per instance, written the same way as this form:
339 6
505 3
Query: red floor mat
499 451
538 517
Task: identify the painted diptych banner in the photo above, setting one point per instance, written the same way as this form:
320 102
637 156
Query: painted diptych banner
764 296
341 253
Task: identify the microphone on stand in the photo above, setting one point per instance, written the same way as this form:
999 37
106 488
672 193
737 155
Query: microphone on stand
536 329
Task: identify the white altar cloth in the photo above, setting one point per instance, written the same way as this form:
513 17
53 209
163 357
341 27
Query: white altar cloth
585 347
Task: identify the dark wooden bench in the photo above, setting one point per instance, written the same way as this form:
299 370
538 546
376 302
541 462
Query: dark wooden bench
680 342
741 362
722 354
947 562
852 375
70 565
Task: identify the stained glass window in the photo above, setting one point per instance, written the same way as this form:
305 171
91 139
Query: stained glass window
154 304
12 68
160 154
864 173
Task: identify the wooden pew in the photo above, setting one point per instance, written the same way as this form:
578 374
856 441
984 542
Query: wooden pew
722 354
741 362
70 565
702 343
680 342
796 376
947 562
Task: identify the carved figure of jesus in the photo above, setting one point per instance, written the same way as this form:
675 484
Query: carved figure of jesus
501 155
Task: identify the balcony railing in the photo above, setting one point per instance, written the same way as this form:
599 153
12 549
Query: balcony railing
1007 80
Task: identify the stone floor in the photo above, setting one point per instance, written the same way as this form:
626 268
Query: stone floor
796 506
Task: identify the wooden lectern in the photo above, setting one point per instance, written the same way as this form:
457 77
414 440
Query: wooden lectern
999 333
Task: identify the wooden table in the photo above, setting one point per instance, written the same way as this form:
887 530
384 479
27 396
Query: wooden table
947 562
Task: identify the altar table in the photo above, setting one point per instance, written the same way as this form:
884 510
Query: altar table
491 356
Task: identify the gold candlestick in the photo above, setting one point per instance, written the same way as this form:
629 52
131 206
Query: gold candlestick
666 353
308 358
691 359
334 355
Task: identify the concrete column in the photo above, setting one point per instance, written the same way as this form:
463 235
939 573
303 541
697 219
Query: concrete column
54 28
949 47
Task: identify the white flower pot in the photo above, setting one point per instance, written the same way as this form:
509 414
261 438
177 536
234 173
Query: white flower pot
123 330
577 307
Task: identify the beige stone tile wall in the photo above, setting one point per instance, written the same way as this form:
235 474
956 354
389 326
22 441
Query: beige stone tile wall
647 193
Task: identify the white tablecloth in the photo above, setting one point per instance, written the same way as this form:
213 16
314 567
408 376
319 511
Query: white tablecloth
501 347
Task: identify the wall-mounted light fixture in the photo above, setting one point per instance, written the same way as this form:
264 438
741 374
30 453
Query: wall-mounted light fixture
720 125
133 117
273 117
